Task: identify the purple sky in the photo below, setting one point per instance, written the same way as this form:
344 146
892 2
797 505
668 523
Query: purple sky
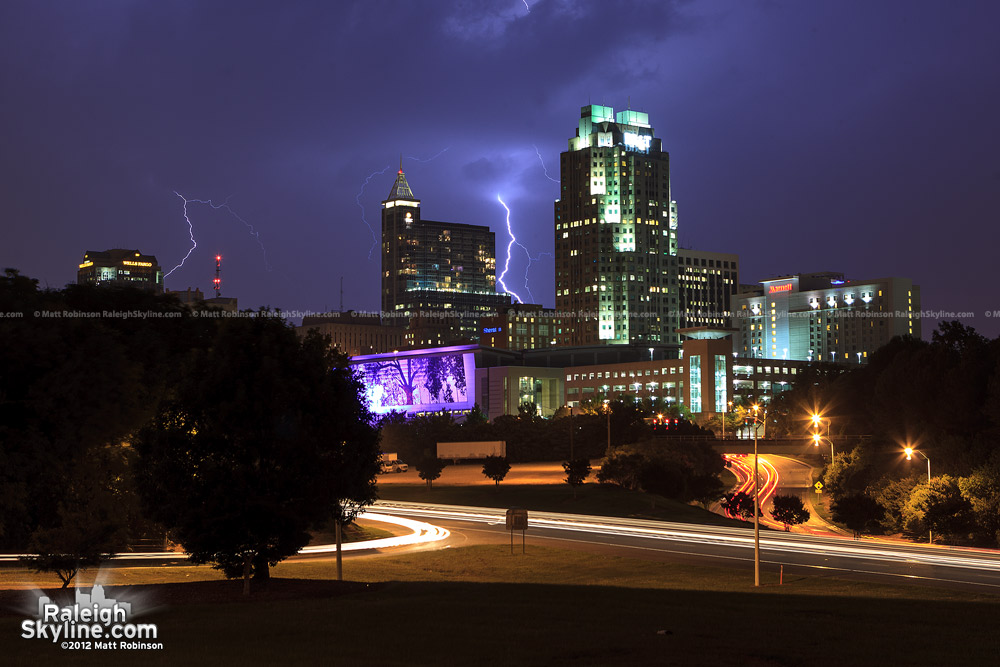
806 136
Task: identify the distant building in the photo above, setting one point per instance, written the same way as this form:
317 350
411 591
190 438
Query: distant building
824 317
443 268
120 268
355 333
521 327
707 282
700 381
189 296
616 234
194 296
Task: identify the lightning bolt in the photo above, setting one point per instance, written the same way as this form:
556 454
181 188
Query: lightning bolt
362 207
194 244
364 185
554 180
506 264
526 5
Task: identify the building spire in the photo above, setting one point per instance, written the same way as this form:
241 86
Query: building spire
401 189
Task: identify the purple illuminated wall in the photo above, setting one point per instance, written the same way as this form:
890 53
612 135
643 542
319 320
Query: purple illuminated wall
418 383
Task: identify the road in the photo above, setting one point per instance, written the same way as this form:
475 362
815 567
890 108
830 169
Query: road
953 567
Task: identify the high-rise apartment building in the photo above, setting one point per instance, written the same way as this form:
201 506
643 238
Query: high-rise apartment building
430 267
707 282
120 267
823 317
616 234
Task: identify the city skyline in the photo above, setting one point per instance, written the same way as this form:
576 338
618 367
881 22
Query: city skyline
803 138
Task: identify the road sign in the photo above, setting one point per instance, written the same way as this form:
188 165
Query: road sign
819 487
517 519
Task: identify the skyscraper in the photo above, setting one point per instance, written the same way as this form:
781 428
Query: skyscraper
431 269
616 234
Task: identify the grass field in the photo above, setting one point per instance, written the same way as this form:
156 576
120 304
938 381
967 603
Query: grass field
480 605
598 499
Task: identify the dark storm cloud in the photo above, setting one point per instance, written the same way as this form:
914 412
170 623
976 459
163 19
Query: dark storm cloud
805 136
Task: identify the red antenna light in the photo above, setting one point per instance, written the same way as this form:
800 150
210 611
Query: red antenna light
218 276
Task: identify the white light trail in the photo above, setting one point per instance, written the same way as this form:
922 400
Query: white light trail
420 533
975 559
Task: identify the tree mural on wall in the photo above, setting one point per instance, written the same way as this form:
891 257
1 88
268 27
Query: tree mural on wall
445 377
398 382
397 379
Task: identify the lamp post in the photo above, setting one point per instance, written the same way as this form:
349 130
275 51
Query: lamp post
817 438
817 422
910 451
607 408
756 498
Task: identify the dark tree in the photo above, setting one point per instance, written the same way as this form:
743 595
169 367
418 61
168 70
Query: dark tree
577 472
266 438
429 468
789 510
858 511
92 517
740 504
662 478
496 468
623 469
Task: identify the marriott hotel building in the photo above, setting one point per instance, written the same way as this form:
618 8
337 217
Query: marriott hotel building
824 317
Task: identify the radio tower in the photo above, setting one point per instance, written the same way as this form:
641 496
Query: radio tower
218 276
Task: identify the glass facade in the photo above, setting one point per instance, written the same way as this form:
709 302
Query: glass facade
694 379
720 383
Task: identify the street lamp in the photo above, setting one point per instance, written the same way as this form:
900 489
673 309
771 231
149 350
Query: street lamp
817 422
650 354
817 438
756 497
607 409
910 451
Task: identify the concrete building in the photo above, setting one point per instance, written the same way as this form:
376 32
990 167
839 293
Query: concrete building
120 267
355 333
824 317
616 234
445 268
700 380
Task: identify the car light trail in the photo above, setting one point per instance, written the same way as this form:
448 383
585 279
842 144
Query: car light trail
742 538
421 533
770 479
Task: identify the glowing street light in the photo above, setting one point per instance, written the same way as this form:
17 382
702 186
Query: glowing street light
817 423
910 451
607 409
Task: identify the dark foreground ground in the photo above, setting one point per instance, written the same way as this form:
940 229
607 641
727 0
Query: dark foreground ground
481 606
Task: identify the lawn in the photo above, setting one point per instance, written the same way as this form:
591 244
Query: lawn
480 605
596 499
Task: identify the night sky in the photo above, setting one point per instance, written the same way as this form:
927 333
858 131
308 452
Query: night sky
806 136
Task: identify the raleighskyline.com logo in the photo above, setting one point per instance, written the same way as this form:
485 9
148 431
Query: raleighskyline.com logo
93 622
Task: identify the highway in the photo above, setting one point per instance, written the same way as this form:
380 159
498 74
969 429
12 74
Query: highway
953 567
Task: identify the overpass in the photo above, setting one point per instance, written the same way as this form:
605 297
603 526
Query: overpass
795 446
